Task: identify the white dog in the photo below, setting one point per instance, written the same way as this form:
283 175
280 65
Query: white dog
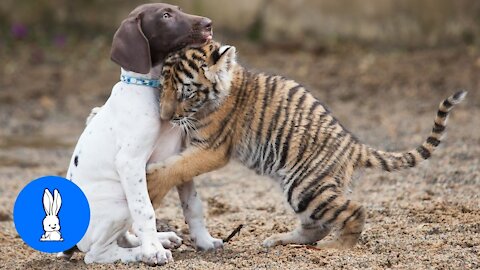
109 160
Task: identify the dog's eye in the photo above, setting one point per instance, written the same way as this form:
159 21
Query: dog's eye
166 15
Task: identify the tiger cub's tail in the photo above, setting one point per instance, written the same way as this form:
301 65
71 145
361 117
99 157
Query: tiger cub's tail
390 161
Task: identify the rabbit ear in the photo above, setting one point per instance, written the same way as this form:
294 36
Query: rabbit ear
47 202
57 202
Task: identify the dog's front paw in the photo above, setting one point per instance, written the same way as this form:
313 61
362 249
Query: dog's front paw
169 240
207 242
153 254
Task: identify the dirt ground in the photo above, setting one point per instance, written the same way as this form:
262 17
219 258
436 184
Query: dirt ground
423 218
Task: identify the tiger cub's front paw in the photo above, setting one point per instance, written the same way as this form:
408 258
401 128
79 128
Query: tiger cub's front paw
154 168
274 240
157 177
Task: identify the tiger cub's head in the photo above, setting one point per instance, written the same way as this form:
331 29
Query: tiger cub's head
196 80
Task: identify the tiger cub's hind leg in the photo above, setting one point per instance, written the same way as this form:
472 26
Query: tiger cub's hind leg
348 218
304 234
327 210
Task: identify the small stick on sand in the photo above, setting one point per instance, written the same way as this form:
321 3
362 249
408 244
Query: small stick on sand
305 246
235 232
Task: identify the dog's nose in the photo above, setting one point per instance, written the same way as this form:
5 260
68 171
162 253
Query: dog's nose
206 23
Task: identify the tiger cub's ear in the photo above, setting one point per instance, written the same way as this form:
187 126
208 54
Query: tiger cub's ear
223 58
220 69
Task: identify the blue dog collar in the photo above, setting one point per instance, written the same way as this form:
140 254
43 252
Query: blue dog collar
140 81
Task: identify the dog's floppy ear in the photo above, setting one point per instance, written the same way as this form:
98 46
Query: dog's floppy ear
130 48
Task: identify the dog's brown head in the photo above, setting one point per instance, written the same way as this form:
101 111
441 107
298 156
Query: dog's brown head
152 31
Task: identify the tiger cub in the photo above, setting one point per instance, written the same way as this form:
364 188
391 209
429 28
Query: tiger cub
276 127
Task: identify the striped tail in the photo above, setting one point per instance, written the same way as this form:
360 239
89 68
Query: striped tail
390 161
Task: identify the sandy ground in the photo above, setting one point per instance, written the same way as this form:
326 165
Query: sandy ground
423 218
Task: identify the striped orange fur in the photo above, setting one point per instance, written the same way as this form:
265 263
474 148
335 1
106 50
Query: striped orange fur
274 126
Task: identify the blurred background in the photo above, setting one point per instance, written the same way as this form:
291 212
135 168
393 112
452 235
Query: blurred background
50 49
381 66
54 49
313 24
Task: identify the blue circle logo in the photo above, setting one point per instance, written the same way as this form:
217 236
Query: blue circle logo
51 214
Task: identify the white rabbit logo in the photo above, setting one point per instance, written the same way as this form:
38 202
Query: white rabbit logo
51 223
